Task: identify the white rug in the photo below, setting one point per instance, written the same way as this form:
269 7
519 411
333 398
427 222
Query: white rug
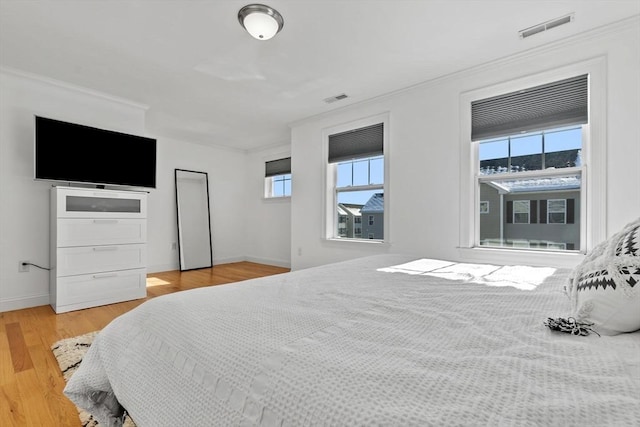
69 353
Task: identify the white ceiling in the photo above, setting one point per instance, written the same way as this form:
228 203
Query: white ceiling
206 80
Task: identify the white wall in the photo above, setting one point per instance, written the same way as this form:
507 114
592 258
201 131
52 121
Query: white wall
268 220
423 193
24 207
226 175
24 203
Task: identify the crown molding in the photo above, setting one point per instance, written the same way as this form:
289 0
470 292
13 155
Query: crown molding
64 85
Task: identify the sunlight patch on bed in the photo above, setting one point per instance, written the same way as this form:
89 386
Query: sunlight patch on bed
517 276
155 281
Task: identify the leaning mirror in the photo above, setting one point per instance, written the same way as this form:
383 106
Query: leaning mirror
194 223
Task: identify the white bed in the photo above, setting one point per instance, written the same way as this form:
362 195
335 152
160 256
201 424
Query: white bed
385 340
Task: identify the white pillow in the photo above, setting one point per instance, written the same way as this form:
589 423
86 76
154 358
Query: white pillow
605 287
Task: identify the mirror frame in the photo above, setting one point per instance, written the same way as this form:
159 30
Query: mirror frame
180 219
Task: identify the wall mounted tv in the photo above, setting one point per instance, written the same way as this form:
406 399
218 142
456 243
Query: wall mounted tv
75 153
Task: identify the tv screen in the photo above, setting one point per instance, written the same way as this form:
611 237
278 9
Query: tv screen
77 153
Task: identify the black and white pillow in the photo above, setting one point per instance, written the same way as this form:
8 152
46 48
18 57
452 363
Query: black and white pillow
605 287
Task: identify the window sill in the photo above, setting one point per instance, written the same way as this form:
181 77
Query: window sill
521 256
356 241
277 199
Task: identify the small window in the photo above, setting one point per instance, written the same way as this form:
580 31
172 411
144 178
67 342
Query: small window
484 207
370 219
557 211
278 178
521 211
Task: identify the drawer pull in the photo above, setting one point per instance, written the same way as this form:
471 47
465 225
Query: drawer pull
105 248
105 221
104 276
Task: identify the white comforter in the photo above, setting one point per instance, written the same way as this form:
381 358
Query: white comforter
360 344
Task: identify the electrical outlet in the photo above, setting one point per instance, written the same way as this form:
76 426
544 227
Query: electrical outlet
23 266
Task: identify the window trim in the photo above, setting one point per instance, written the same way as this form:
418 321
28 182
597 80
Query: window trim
329 228
592 216
526 211
267 194
563 211
268 186
486 210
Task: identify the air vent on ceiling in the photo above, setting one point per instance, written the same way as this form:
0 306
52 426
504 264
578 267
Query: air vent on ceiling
335 98
528 32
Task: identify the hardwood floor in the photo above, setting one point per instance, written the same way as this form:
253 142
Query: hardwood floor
30 380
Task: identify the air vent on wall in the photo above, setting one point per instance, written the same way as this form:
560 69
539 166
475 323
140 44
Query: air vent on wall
528 32
335 98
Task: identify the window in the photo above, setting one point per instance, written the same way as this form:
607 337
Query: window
484 207
485 238
556 211
278 178
356 181
521 211
529 152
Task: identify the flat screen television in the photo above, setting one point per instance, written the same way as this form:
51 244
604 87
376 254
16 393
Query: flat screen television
75 153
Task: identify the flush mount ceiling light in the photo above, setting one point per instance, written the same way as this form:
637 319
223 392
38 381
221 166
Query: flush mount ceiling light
261 21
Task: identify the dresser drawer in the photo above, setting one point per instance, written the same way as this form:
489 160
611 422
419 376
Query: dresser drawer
82 203
100 231
96 259
90 290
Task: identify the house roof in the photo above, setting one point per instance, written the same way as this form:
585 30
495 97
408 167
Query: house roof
375 204
349 209
534 185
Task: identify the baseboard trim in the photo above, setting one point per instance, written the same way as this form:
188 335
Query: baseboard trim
268 261
11 304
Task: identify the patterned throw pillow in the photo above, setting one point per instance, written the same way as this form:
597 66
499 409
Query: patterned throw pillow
605 287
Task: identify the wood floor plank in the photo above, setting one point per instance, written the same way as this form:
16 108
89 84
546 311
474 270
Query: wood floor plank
11 407
6 365
18 348
33 399
52 383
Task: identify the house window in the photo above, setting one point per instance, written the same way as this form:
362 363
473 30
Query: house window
521 211
277 178
556 211
356 180
484 207
529 147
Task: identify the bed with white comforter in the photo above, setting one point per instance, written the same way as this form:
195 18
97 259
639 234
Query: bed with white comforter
386 340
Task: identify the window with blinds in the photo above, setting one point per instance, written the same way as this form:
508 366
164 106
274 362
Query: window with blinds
356 164
277 175
530 150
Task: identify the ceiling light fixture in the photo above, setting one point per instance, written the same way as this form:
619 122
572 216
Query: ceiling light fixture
261 21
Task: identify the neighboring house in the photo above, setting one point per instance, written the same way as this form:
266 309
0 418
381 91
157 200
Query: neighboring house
349 220
532 213
373 217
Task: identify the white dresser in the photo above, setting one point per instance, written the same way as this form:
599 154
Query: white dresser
98 247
